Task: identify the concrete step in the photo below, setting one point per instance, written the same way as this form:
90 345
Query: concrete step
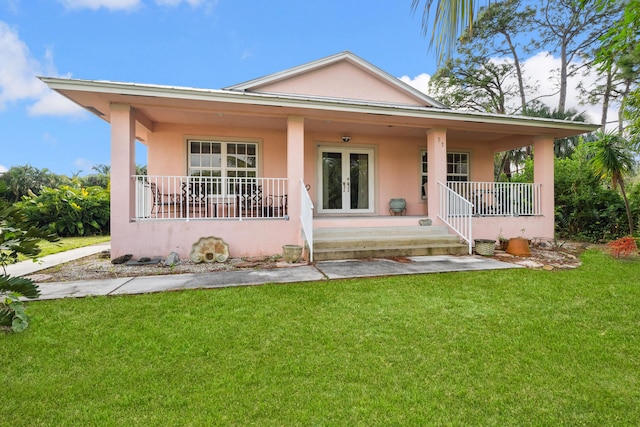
381 242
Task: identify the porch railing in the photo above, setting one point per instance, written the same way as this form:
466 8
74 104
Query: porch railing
306 217
195 197
456 212
500 198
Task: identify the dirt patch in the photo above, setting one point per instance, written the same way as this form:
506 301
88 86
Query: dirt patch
549 255
99 266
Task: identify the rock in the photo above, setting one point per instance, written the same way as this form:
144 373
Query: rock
209 249
548 267
121 259
529 263
172 259
145 261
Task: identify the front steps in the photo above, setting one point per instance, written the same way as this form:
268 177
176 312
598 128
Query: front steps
384 242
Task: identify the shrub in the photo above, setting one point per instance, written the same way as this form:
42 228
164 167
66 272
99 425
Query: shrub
623 247
69 210
17 237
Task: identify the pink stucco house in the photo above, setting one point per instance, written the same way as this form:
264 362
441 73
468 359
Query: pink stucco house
323 145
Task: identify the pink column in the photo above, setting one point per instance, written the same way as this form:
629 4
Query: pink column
543 160
122 167
437 168
295 168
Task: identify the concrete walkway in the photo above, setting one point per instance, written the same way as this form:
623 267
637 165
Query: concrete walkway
321 271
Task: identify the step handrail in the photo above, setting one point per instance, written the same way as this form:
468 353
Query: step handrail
456 212
306 217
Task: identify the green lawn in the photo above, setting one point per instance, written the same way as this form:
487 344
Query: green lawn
66 243
516 347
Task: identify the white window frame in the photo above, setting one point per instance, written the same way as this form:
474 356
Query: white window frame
456 171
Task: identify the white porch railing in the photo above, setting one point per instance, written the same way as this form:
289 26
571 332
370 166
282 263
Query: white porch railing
194 197
456 212
306 217
500 198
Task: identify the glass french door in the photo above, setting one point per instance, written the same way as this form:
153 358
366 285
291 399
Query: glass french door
346 177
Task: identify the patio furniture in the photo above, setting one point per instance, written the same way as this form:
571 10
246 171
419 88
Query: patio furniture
160 202
194 199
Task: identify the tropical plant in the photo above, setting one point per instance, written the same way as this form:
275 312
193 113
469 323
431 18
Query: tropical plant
70 210
17 237
613 160
452 18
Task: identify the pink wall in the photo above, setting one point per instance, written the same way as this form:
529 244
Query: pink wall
397 166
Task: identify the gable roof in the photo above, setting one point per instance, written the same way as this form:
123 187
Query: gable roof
340 76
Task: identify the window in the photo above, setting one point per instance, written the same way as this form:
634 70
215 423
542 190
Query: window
223 159
457 169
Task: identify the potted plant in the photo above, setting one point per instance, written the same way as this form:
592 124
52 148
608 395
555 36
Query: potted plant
502 241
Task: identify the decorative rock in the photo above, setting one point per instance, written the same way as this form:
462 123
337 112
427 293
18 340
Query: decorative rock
548 267
209 249
425 221
121 259
172 259
145 261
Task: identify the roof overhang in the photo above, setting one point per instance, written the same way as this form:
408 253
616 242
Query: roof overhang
159 104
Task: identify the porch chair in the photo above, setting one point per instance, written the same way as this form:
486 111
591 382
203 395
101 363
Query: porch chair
161 202
194 199
249 200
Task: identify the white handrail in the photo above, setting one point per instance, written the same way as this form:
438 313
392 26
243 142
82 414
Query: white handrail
501 198
456 212
306 217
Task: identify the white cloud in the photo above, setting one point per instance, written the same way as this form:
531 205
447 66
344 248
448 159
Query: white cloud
420 82
18 81
54 104
18 69
3 169
542 72
113 5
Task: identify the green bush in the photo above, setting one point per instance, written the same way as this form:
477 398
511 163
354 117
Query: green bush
69 210
17 236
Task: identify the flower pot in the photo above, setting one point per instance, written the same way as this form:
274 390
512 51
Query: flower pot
292 253
398 206
518 246
485 247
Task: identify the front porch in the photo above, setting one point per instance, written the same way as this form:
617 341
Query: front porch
241 207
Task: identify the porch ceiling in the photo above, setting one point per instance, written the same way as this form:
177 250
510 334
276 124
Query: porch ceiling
194 107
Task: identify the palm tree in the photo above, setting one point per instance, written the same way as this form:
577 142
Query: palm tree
612 160
452 18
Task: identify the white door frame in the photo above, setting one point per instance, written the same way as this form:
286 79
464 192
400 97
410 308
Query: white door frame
345 151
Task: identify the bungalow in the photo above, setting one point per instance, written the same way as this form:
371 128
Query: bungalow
322 146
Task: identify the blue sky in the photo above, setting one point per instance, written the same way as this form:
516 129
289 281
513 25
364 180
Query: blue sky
194 43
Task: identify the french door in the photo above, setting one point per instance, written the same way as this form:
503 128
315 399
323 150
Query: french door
346 177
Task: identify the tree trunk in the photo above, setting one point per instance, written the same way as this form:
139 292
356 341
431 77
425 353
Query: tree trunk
626 205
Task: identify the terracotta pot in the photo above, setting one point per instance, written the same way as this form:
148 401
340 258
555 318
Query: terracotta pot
518 246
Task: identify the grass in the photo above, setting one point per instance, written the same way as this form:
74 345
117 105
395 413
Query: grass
66 243
515 347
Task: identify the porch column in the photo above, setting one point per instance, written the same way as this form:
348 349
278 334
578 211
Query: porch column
437 168
122 165
295 169
543 173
